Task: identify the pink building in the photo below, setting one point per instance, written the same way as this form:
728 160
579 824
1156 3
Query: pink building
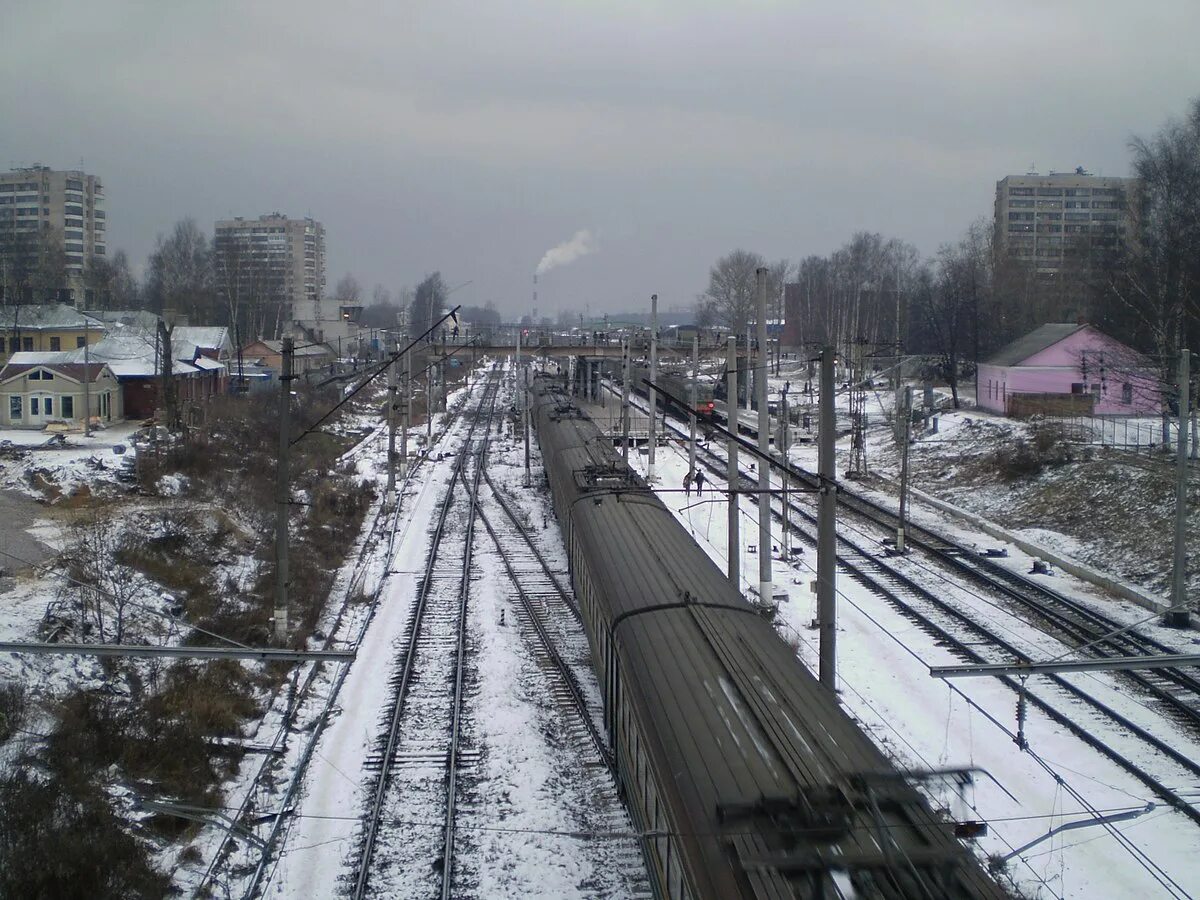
1068 370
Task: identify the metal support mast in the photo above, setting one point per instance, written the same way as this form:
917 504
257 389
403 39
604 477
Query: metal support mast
692 400
406 411
905 411
625 401
827 527
653 380
282 496
731 451
761 363
1178 616
391 420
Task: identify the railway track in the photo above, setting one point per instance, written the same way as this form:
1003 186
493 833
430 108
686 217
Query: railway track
968 637
420 754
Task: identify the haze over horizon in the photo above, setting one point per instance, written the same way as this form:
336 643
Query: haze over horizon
474 140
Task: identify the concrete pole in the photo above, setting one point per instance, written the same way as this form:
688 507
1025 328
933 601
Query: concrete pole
282 498
391 420
692 400
406 411
905 411
765 590
827 528
652 393
785 536
428 396
625 400
1178 616
87 393
749 375
525 422
731 476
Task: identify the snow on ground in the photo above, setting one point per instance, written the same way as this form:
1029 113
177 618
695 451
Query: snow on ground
926 723
77 461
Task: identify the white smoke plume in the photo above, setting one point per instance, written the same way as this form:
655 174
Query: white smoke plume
581 244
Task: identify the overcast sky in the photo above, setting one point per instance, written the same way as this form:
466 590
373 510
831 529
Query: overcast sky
471 137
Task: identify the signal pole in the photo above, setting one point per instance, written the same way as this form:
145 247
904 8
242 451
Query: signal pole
731 476
765 590
653 394
391 419
905 409
1178 616
281 497
692 399
625 400
827 528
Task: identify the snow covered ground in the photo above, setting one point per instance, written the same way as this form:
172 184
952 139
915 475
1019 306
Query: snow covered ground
926 723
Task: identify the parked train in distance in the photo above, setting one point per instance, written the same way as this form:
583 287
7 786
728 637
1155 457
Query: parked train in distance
742 774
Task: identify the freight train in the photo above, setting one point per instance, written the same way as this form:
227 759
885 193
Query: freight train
742 774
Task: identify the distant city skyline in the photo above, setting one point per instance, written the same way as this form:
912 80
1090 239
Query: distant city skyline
473 140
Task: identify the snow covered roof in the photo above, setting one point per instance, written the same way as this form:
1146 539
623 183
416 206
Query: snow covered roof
207 337
39 316
127 318
207 365
130 353
1034 342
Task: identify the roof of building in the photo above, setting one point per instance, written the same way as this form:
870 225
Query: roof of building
38 316
206 337
129 353
1034 342
76 371
130 318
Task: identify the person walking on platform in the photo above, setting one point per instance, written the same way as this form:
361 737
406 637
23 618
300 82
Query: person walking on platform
687 483
700 481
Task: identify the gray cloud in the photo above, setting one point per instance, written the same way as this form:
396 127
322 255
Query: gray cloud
470 137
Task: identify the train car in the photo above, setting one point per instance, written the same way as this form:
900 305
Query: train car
676 385
742 773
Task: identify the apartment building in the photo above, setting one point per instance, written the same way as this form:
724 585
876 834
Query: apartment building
38 200
273 259
1043 219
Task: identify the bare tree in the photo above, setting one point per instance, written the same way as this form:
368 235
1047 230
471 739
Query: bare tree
348 290
731 284
181 273
427 303
102 588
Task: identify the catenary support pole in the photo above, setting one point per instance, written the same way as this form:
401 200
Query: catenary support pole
525 422
391 420
428 395
625 400
87 393
282 496
904 413
827 527
692 400
1178 616
785 534
731 452
761 363
405 411
653 394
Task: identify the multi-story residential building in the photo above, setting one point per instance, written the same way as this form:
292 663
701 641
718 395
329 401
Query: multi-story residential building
1043 219
275 261
39 201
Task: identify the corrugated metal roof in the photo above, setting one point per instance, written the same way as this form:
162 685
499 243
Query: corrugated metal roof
1035 342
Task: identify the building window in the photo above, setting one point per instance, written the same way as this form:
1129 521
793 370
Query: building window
68 406
1020 192
35 407
1127 393
1077 387
80 341
27 344
14 408
1049 192
49 406
55 343
14 345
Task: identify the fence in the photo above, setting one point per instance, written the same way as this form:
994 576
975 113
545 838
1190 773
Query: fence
1142 435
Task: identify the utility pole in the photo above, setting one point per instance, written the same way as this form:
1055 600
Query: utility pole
391 419
625 400
827 528
692 400
906 436
428 395
785 536
653 394
87 392
731 476
525 422
761 363
1178 616
406 410
282 498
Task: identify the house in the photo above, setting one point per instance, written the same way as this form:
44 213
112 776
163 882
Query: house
45 327
213 341
37 392
307 357
1065 369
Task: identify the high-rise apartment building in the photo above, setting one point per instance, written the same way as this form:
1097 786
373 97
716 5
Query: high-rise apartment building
273 257
36 202
1044 219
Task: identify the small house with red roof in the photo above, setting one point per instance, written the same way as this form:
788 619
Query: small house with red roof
35 393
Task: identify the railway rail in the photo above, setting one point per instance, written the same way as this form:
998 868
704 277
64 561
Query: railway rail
420 748
1074 622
